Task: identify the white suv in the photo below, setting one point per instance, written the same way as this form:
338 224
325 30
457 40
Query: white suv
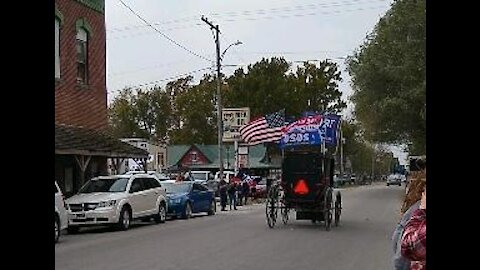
117 200
61 220
227 175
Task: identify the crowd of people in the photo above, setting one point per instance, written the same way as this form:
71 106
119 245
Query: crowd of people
235 192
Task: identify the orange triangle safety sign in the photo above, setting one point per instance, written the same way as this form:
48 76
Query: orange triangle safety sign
301 187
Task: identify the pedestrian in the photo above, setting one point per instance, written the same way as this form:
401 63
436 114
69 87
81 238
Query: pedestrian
232 194
411 203
245 190
222 188
240 193
179 178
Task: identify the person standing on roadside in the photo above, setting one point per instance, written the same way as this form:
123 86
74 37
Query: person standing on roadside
232 194
245 190
222 188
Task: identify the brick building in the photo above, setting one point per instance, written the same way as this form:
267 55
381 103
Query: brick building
81 145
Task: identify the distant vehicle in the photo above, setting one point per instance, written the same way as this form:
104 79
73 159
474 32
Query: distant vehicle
160 176
186 198
227 175
339 180
260 190
61 218
394 179
116 200
353 178
201 176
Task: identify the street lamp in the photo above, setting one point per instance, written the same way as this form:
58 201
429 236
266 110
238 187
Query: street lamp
219 103
238 42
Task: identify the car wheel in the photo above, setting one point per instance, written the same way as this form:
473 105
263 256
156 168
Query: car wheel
162 214
72 229
125 219
188 211
213 208
57 229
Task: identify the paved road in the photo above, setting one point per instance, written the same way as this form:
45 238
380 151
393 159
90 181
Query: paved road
241 240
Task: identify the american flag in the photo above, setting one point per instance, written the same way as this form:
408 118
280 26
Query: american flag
264 129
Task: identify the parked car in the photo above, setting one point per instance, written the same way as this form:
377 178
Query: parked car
394 179
260 190
227 175
201 176
160 176
187 198
61 218
117 200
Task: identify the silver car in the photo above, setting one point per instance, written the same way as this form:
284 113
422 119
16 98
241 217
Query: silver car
394 179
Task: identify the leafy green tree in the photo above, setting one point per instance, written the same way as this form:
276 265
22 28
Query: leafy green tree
270 85
196 111
143 114
122 116
389 77
264 88
316 88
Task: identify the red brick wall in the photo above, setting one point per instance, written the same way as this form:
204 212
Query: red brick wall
187 159
75 105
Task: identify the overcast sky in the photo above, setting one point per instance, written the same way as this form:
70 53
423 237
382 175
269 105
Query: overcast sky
299 30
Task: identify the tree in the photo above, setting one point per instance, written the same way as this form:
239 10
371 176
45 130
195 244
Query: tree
264 88
269 85
195 111
360 152
122 116
316 88
389 77
145 114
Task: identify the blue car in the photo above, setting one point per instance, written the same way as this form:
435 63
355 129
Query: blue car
186 198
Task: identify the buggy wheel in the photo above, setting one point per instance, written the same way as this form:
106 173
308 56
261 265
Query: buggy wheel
271 207
338 208
327 211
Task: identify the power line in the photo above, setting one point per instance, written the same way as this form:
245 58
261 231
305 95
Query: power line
225 65
256 19
304 15
247 13
162 80
150 33
165 36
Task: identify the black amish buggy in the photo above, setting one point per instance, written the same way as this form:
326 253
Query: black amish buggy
306 185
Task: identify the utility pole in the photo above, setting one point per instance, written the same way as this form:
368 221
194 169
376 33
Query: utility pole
219 96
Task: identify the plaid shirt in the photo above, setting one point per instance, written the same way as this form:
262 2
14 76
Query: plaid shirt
414 240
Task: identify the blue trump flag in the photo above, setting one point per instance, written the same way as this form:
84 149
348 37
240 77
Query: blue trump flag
311 130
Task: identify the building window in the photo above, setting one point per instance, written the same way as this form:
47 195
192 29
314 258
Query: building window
57 48
82 56
193 156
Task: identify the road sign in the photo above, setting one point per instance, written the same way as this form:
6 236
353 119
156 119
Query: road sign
233 119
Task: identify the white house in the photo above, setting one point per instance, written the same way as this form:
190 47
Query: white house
156 160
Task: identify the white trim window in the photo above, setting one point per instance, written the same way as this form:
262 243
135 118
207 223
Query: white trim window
57 48
82 56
